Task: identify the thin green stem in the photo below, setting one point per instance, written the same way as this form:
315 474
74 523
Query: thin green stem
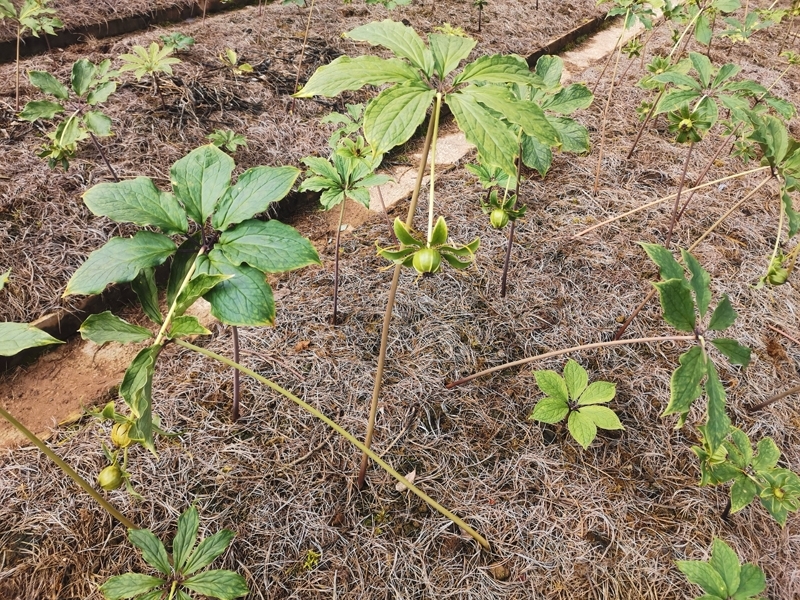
172 308
436 111
172 589
16 93
780 232
685 31
345 434
530 359
34 439
336 263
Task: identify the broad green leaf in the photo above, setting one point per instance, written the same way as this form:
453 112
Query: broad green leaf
726 563
602 416
48 84
144 285
702 29
398 38
674 100
598 392
723 316
207 551
703 67
725 72
198 286
676 304
751 582
254 191
186 326
119 261
549 410
718 425
669 268
101 93
272 247
573 136
767 455
106 327
439 232
793 217
392 117
497 145
16 337
497 68
743 491
245 299
181 263
552 384
568 100
323 168
82 75
136 389
536 155
199 179
726 6
740 453
157 595
582 428
68 132
185 539
773 137
153 551
347 73
704 575
700 282
549 68
129 585
225 585
40 109
137 201
448 51
679 79
402 234
98 123
684 385
736 353
7 9
576 378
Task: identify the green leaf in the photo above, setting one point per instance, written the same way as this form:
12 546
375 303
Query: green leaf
448 51
767 455
549 410
398 38
536 155
40 109
181 263
16 337
392 117
723 316
7 9
704 575
718 425
207 551
404 235
101 93
184 540
48 84
271 247
675 100
106 327
497 68
573 136
136 389
726 563
669 268
98 123
347 73
198 286
602 416
153 551
144 285
793 217
684 385
702 30
568 100
552 384
137 201
550 68
245 299
225 585
751 582
119 261
496 144
129 585
576 378
740 452
598 392
736 353
186 326
82 75
439 233
254 191
582 428
676 304
199 179
703 67
700 282
4 277
743 491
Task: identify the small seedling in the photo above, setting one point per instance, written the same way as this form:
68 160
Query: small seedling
350 123
177 41
571 396
150 61
182 572
723 577
230 60
4 277
480 5
227 139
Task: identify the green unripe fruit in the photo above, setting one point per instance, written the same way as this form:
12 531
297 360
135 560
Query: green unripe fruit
498 218
427 260
119 435
778 276
110 478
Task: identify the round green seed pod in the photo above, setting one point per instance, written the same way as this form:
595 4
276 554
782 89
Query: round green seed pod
110 478
119 435
427 260
498 218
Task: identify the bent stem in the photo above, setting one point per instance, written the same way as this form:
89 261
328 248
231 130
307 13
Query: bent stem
346 435
103 154
34 439
507 260
781 396
530 359
387 316
336 263
302 54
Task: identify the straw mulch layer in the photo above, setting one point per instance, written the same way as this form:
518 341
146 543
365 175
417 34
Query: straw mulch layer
605 523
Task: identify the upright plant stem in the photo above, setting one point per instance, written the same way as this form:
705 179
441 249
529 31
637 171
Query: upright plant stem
103 154
171 313
346 435
644 125
530 359
235 409
336 264
507 260
603 124
387 316
608 61
16 93
302 54
781 396
67 469
432 179
678 197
